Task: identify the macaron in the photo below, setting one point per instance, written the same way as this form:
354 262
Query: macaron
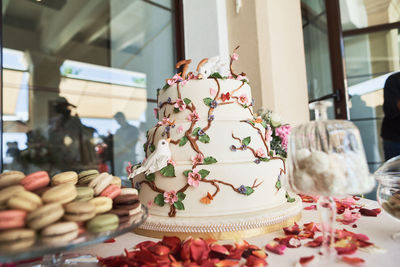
103 204
35 180
62 193
16 239
79 211
65 177
41 190
122 214
111 191
116 181
8 192
129 191
11 178
100 182
102 223
85 177
10 219
128 202
45 216
59 233
24 200
84 193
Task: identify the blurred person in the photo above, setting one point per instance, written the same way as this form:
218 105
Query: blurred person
391 121
124 143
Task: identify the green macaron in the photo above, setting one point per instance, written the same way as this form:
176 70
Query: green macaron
85 177
103 223
84 193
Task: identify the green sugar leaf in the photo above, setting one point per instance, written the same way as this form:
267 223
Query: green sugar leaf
181 196
152 147
278 184
183 141
264 159
187 101
289 198
204 173
150 177
246 141
166 86
209 160
249 190
216 75
179 205
176 110
186 172
168 171
195 131
204 139
264 124
159 200
207 101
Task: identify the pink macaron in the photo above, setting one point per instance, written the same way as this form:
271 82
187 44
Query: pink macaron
10 219
111 191
35 180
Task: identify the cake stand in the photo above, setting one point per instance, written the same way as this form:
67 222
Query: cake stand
54 255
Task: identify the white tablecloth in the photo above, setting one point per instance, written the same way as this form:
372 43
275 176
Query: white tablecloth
378 229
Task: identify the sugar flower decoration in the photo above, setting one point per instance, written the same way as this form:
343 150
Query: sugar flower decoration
129 168
283 132
155 110
170 197
243 99
198 159
193 178
180 104
179 129
235 56
213 92
172 162
240 78
194 116
174 79
165 121
225 97
260 153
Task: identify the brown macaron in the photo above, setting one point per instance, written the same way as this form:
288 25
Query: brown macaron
127 202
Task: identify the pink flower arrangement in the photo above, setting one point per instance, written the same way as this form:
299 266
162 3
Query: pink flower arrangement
240 77
179 129
235 56
283 132
194 116
198 159
193 178
180 104
172 162
243 100
170 197
260 153
174 79
165 121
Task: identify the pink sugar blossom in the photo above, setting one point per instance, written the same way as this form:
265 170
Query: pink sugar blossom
283 132
166 121
230 76
193 178
174 79
184 82
268 135
243 99
180 104
240 77
179 129
150 203
172 162
198 159
155 110
260 153
129 168
213 92
235 56
191 76
194 116
170 197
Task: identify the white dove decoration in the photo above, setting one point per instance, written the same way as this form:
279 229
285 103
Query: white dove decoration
213 64
156 161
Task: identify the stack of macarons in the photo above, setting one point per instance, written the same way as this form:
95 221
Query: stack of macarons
35 208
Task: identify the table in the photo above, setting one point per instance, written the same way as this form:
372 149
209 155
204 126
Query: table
378 229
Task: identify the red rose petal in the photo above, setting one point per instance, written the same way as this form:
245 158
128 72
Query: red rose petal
368 212
225 263
305 260
159 249
292 230
352 260
259 254
199 250
317 242
311 207
255 261
219 249
275 247
111 240
145 244
350 249
173 242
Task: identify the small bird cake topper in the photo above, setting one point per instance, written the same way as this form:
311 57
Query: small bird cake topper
156 161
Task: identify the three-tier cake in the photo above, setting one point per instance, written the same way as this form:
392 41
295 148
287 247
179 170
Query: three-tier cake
221 177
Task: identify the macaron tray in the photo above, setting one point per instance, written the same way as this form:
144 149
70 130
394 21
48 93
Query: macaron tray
40 216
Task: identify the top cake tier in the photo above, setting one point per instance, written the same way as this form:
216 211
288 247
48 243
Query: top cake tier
232 97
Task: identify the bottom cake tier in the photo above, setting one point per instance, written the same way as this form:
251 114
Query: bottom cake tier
224 227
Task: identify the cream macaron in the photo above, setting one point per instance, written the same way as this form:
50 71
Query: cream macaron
62 193
100 182
65 177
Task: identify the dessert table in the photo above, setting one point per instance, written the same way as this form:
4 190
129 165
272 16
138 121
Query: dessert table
378 229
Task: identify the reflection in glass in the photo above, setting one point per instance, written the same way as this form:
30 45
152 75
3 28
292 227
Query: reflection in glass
79 81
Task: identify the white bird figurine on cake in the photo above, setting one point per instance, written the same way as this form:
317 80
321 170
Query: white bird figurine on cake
156 161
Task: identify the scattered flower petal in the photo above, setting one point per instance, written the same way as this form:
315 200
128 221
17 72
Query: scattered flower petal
275 247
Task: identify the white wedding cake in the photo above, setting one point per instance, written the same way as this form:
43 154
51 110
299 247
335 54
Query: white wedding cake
213 167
